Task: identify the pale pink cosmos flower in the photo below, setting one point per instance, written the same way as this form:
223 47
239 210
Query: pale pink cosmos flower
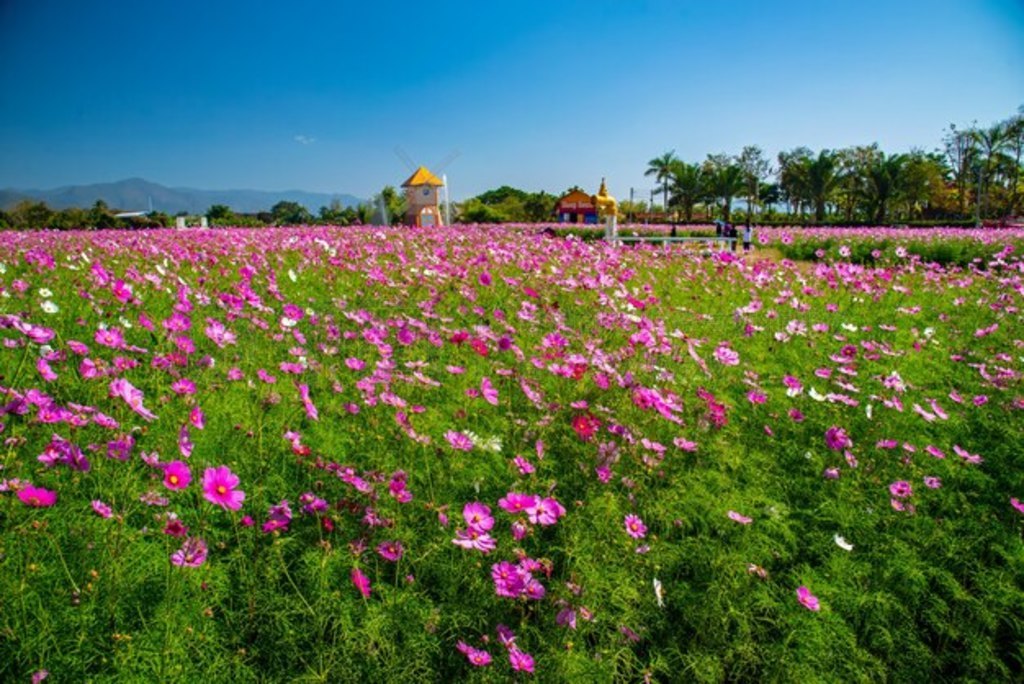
192 553
726 356
132 396
459 440
472 539
932 482
739 517
488 392
101 509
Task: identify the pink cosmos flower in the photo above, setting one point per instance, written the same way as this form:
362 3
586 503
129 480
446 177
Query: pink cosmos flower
197 418
546 512
901 489
459 441
478 516
1016 503
740 518
361 582
37 497
489 393
132 396
807 599
192 553
837 439
101 509
726 356
219 488
520 661
966 455
513 502
635 527
476 656
177 475
932 482
472 539
390 550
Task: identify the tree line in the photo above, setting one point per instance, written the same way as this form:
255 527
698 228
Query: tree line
976 175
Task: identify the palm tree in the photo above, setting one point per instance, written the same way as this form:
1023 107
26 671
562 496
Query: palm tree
661 169
727 181
884 179
820 180
688 187
991 141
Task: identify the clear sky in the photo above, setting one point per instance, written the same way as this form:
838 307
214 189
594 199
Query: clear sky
539 95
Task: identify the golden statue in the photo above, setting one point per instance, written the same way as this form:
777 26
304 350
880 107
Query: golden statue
605 203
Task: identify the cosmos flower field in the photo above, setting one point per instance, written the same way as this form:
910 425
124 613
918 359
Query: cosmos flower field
487 454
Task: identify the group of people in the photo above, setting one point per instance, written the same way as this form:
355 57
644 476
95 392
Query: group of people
728 231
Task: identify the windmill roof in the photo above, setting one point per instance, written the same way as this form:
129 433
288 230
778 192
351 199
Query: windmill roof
422 176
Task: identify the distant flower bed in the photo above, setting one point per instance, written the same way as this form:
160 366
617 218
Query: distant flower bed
491 453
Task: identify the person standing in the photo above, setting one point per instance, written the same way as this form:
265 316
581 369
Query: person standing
748 237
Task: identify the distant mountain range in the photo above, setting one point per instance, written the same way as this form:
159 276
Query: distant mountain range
135 194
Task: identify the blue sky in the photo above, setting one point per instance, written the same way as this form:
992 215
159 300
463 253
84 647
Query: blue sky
539 95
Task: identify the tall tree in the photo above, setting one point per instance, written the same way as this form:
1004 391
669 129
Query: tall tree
755 170
725 180
661 169
688 187
991 142
820 179
961 148
884 177
792 181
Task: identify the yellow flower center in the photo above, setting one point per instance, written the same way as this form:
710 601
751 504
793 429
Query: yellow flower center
173 479
221 489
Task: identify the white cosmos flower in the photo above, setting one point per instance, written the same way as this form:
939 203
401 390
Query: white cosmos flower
288 322
815 395
49 307
849 327
658 593
292 276
44 293
842 543
868 409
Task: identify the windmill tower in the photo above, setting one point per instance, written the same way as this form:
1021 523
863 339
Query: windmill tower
423 192
421 198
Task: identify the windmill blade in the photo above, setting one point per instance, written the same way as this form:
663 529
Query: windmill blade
405 158
452 156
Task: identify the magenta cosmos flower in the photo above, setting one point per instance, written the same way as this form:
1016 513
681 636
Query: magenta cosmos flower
635 527
807 599
477 657
37 497
901 489
478 516
361 582
219 488
177 476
